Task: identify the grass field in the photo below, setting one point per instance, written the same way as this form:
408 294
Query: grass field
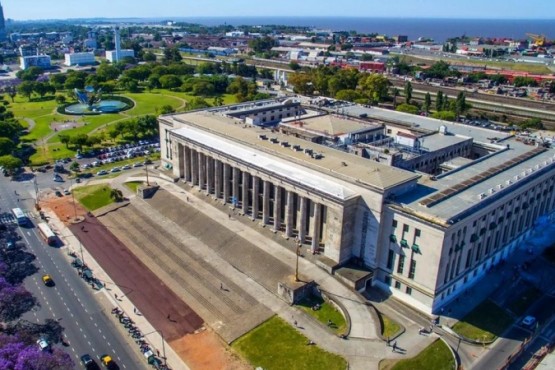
390 327
484 323
133 185
436 356
326 312
94 196
275 345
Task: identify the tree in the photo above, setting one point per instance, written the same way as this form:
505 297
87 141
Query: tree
521 81
15 300
17 354
218 101
10 163
407 108
26 89
262 44
106 72
7 146
395 95
79 141
149 56
348 95
294 66
172 55
153 82
444 115
375 86
60 99
408 92
12 92
427 103
302 83
165 109
40 88
170 81
460 105
116 195
74 166
439 101
197 103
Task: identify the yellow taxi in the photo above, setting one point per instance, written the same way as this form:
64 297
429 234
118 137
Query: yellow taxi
47 280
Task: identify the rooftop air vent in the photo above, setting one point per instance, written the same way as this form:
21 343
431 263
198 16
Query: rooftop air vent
262 137
284 144
297 148
482 196
274 140
491 190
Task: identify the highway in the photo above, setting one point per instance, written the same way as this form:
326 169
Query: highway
88 325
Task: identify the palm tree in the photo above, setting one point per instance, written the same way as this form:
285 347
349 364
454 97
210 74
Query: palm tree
116 195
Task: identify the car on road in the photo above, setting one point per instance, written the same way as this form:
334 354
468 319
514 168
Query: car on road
43 344
58 178
528 321
148 161
115 169
126 167
88 362
47 280
101 173
108 362
58 193
138 164
67 192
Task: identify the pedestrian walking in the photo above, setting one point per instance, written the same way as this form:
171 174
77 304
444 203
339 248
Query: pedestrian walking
134 310
295 322
187 198
168 316
394 346
229 215
221 286
158 352
115 295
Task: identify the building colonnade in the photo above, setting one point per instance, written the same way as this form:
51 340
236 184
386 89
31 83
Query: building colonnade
277 206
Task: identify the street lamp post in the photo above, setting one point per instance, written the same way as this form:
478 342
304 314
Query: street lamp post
298 244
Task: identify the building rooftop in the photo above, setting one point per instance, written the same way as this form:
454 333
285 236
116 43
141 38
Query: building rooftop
332 125
332 162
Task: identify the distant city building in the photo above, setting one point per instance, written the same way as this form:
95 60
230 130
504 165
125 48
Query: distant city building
2 25
112 57
90 44
235 34
42 61
72 59
28 50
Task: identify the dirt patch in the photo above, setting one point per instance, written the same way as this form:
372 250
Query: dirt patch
63 207
66 125
206 351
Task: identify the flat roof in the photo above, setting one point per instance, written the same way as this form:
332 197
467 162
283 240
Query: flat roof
335 163
438 141
331 124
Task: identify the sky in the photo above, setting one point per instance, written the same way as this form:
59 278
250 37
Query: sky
489 9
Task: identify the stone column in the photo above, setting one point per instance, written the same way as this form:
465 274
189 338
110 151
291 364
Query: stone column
201 170
302 219
179 170
245 200
266 203
217 178
255 195
235 194
209 174
277 208
187 163
194 167
227 183
289 214
316 220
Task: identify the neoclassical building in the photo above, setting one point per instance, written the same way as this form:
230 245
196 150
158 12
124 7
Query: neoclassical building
311 174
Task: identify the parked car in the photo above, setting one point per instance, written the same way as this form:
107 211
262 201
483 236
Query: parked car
43 344
58 193
101 173
529 321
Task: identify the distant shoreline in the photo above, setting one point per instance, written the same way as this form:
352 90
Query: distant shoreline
438 29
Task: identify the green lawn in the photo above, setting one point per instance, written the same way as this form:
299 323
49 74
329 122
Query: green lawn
146 103
133 185
436 356
94 196
275 345
485 323
520 304
390 327
326 312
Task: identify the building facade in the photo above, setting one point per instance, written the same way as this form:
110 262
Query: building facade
72 59
42 61
425 237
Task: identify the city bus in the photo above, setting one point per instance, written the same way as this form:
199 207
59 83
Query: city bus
19 216
47 233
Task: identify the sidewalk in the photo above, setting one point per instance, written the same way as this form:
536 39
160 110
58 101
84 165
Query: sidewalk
151 335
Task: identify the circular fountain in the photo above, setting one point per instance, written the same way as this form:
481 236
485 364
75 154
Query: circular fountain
91 102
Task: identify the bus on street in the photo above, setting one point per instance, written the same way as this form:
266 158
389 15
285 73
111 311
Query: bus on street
20 216
47 233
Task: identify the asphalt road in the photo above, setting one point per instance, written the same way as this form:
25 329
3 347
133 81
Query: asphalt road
88 327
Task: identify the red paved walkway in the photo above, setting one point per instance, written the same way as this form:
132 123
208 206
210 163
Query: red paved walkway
147 292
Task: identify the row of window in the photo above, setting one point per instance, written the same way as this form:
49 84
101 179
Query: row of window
401 263
398 285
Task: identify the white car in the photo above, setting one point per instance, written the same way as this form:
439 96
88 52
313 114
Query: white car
43 344
126 167
115 169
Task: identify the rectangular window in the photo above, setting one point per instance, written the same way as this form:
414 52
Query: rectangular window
417 233
390 259
408 290
401 264
394 223
412 270
397 285
405 228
